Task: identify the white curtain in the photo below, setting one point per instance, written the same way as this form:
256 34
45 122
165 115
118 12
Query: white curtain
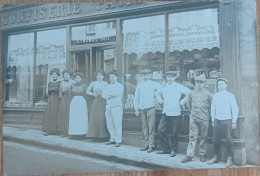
143 35
193 30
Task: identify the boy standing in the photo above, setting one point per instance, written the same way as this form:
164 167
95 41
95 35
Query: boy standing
224 114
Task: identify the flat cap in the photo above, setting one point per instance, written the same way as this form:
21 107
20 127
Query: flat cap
146 71
171 72
222 79
113 72
200 78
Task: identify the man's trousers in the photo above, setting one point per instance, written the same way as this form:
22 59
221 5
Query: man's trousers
148 125
222 129
197 128
114 117
169 124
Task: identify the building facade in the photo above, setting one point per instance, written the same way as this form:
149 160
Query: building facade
192 38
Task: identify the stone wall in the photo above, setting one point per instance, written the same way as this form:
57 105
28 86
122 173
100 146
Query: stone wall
247 71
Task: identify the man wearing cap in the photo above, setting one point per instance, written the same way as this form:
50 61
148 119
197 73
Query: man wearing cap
224 114
144 104
170 96
199 101
114 112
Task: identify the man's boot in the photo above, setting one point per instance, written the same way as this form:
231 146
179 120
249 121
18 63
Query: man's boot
229 162
213 160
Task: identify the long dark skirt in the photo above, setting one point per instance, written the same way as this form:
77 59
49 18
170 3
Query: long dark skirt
49 123
63 115
97 125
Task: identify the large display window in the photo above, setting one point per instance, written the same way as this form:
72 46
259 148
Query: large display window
51 53
194 46
143 47
23 88
19 77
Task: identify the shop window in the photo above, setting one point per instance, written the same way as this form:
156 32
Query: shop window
143 47
19 75
194 46
51 53
94 33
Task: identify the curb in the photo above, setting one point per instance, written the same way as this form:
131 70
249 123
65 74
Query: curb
108 157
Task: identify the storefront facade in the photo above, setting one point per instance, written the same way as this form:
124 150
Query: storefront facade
191 38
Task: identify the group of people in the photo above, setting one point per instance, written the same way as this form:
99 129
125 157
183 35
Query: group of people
222 108
67 112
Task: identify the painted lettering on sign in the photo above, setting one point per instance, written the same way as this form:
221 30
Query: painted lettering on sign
112 5
41 13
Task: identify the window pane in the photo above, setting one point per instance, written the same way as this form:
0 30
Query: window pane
19 84
143 47
51 53
194 46
94 33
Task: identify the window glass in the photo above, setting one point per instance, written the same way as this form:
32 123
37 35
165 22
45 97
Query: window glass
194 46
19 77
94 33
51 53
143 48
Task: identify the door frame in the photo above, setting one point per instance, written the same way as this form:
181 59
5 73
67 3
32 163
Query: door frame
88 67
104 47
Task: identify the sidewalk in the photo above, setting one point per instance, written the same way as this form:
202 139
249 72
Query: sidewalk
32 135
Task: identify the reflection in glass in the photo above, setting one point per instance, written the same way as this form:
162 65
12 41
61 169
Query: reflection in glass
94 33
19 77
143 47
51 53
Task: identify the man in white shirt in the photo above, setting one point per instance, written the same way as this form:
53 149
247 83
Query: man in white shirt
144 104
170 96
224 114
114 112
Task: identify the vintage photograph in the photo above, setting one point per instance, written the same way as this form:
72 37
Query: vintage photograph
129 86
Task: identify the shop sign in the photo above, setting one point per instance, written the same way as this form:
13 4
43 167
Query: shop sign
41 13
46 13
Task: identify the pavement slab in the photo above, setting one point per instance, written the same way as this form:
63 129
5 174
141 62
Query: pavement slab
124 154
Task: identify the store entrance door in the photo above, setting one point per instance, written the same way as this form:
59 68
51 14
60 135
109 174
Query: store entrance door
80 62
104 58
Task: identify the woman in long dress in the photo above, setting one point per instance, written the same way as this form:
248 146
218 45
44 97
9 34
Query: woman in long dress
78 117
49 124
97 126
63 115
